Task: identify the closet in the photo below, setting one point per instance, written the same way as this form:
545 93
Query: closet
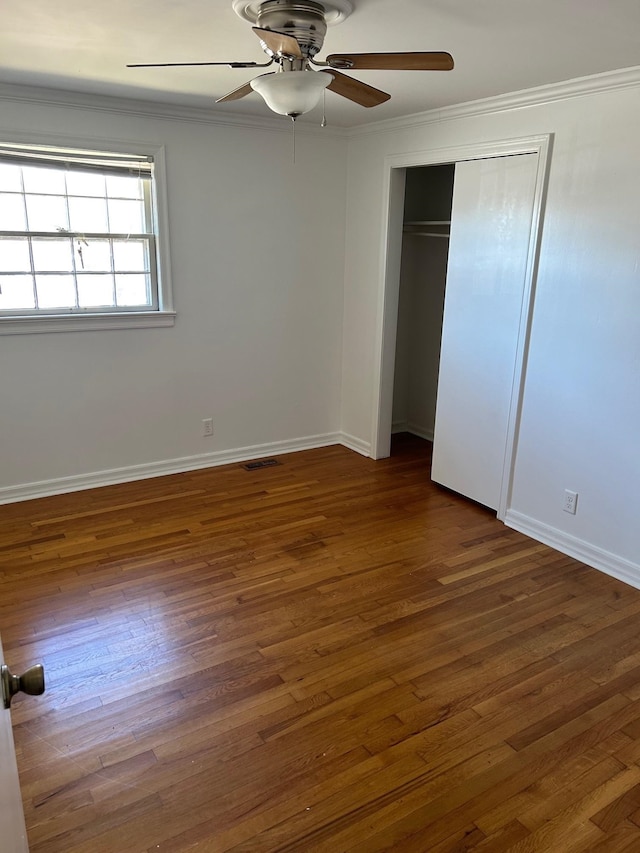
425 247
460 309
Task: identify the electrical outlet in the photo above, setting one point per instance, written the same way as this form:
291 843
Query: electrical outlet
207 426
570 501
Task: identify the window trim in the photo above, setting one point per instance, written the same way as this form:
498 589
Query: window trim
22 324
163 315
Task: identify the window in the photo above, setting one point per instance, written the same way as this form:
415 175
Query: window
78 238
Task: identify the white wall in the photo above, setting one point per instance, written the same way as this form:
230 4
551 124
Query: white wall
257 249
581 411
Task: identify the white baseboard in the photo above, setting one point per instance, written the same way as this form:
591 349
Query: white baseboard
353 443
63 485
420 431
598 558
414 429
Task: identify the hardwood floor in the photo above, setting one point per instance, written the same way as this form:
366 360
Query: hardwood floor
331 654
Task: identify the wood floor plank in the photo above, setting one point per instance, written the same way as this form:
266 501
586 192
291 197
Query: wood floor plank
331 654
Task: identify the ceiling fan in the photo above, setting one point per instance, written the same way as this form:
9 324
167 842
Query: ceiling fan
291 33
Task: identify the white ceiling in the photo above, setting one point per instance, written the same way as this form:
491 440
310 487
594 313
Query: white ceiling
498 46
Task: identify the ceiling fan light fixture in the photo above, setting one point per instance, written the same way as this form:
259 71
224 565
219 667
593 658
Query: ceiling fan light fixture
292 93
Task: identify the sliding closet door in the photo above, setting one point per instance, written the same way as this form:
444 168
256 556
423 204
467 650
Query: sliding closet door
490 230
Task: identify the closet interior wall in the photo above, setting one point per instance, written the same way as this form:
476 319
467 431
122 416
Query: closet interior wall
425 247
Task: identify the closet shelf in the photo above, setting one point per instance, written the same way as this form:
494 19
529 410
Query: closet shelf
427 234
421 228
428 222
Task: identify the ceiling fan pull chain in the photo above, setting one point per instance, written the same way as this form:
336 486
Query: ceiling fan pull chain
323 123
293 121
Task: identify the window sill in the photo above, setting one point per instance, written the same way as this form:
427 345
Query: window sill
85 322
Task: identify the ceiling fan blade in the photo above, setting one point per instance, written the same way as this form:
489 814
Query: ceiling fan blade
425 61
240 92
355 90
279 43
175 64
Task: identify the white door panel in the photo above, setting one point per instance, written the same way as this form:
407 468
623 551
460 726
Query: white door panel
13 835
493 203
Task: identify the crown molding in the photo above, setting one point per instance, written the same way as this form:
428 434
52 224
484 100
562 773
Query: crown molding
608 81
44 96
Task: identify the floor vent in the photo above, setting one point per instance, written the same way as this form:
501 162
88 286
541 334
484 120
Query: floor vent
261 463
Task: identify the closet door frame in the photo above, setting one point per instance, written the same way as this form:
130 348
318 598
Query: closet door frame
395 167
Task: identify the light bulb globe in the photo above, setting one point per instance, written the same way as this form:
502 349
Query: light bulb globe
291 93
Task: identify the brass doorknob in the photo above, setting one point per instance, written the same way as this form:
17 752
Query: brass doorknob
31 682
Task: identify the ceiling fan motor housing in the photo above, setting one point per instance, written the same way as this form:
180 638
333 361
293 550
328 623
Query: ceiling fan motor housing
302 19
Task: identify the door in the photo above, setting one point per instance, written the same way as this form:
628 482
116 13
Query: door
13 834
491 221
